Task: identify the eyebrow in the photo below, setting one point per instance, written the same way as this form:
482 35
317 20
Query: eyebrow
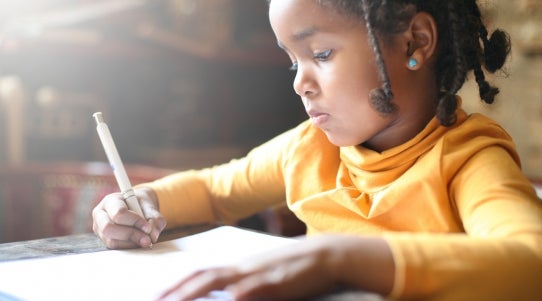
301 35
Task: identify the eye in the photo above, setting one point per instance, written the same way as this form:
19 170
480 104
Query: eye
293 67
322 56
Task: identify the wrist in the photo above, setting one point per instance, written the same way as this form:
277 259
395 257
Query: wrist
150 195
368 264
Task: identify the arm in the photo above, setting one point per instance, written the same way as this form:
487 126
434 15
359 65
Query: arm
226 192
312 267
499 257
216 194
223 193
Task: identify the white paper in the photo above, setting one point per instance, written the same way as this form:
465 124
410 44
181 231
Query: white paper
140 274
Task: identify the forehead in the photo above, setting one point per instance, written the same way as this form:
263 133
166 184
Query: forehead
292 19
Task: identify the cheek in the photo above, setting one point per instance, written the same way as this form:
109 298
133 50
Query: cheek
352 91
358 78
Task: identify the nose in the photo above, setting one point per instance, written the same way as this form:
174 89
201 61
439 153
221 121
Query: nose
304 82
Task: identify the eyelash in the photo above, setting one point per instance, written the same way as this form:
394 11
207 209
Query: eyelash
320 56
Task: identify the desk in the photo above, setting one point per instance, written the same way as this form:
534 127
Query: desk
12 255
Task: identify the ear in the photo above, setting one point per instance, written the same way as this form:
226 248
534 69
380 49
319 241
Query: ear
421 40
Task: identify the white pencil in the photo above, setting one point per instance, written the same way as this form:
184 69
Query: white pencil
116 163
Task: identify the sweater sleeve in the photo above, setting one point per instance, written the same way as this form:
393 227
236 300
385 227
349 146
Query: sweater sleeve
500 255
228 192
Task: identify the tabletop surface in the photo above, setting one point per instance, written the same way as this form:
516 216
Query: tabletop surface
51 246
76 244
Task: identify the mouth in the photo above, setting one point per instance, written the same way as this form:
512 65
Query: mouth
318 118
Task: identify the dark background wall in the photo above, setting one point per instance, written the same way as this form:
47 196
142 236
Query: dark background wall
173 78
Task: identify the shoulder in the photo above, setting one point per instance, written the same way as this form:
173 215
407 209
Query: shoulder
476 126
474 133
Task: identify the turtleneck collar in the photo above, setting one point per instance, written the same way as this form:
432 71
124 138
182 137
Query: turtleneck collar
373 169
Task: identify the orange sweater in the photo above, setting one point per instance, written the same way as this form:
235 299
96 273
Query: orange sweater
462 220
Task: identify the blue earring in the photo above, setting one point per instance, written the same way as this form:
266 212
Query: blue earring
412 62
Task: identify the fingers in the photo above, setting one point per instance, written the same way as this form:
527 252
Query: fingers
257 285
202 283
157 226
119 214
156 221
296 273
115 244
118 236
119 227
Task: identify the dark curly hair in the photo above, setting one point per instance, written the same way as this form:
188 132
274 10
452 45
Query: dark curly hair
464 44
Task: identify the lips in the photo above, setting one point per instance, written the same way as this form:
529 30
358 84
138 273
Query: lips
318 118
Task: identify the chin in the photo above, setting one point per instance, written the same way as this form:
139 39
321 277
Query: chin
340 141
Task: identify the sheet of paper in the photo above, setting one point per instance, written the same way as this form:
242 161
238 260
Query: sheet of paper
131 274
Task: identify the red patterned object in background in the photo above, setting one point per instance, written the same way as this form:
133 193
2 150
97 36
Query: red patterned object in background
43 200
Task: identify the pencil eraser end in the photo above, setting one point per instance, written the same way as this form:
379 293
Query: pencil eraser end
98 117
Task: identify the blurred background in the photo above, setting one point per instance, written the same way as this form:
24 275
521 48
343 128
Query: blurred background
182 84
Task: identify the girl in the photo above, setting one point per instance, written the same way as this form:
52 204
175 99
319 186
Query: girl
413 197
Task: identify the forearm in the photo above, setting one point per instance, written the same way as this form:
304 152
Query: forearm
461 267
367 264
220 194
182 199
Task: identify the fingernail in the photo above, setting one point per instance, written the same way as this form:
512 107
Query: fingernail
145 241
147 228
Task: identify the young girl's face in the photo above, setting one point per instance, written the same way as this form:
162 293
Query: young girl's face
335 71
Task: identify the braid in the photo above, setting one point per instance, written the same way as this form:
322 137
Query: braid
496 48
447 102
487 93
492 58
380 97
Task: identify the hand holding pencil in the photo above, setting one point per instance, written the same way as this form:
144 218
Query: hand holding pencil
130 218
